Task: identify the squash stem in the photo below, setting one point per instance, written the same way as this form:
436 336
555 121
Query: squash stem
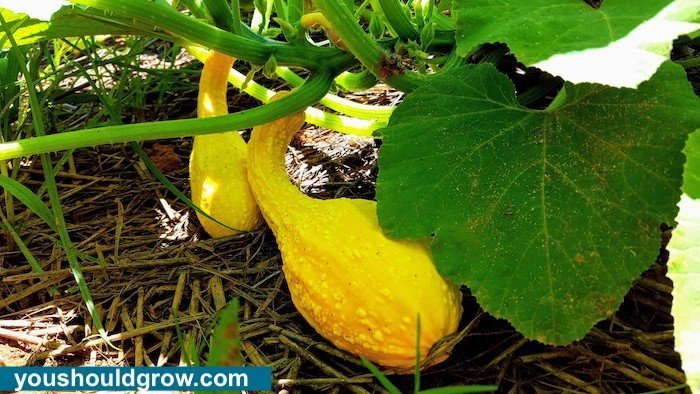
343 105
355 81
241 47
365 49
373 117
398 19
308 94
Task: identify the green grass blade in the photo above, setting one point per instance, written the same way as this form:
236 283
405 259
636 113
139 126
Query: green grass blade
380 377
52 189
9 199
36 267
28 198
56 169
194 352
188 345
184 355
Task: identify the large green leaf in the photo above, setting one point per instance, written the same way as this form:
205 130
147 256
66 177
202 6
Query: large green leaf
548 216
620 44
684 266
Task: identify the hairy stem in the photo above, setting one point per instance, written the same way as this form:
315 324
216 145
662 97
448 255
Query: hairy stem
245 48
365 49
398 19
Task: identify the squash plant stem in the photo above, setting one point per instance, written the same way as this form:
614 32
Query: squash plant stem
398 20
365 49
304 96
371 117
240 47
340 104
223 15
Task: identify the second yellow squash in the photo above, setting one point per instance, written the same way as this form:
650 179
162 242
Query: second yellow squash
218 178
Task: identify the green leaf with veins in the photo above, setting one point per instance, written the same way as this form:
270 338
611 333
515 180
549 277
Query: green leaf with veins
620 44
536 30
684 266
548 216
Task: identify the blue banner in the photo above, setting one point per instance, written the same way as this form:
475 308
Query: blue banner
135 378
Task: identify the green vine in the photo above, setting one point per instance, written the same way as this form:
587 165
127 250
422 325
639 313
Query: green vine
306 95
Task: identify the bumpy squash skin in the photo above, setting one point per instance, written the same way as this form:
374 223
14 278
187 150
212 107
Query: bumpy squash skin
357 288
218 175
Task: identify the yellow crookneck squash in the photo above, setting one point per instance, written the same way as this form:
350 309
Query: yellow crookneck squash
356 287
218 177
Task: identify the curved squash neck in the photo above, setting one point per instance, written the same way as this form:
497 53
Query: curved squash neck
213 84
267 150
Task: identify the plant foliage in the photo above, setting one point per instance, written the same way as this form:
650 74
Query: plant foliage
548 216
622 43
